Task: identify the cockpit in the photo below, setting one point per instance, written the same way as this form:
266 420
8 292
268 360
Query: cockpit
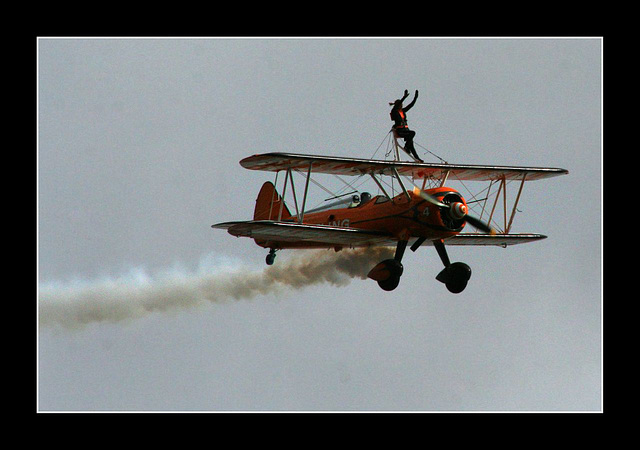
359 200
355 201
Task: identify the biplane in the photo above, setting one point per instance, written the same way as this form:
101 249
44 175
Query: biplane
433 215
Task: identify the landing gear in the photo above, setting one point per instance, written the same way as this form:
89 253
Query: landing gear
454 276
389 271
271 256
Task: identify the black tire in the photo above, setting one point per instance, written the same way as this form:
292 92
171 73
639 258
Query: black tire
457 286
396 269
459 274
390 283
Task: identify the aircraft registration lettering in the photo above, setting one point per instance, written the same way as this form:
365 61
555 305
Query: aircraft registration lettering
339 223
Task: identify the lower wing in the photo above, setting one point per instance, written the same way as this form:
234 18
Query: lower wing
267 230
501 240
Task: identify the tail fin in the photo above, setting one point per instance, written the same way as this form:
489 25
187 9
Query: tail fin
268 204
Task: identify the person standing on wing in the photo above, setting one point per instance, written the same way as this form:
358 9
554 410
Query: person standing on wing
399 117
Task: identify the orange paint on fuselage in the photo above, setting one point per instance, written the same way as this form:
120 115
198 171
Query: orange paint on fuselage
402 217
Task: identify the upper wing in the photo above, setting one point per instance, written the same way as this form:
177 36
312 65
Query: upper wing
295 232
268 230
275 162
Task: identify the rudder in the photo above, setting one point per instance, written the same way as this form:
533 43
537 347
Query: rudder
268 204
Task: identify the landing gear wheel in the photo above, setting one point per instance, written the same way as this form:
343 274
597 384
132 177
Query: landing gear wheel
395 272
455 277
455 287
271 257
388 272
390 283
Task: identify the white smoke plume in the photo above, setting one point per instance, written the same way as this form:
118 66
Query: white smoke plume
76 304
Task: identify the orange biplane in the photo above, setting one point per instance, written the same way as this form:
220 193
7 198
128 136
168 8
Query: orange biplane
415 216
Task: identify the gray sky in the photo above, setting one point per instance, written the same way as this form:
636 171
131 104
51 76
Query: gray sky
139 143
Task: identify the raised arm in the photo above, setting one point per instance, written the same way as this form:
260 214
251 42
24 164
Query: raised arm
410 105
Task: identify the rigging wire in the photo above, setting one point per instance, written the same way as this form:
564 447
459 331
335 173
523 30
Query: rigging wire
389 148
429 151
386 138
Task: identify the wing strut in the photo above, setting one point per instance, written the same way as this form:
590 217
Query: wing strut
306 190
513 211
293 191
397 175
502 190
284 191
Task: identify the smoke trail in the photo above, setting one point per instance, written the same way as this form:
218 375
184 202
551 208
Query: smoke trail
126 298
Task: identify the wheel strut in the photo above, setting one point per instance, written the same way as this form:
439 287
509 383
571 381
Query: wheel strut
400 248
455 276
442 252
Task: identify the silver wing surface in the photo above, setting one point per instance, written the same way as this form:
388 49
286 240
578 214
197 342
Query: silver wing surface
274 162
268 230
295 232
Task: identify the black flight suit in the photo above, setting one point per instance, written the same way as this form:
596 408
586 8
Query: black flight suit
400 124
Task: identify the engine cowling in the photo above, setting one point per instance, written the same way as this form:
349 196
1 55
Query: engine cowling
453 215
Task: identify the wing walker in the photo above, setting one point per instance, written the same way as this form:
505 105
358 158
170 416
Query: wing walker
401 214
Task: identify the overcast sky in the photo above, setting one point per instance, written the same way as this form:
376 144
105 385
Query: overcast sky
139 143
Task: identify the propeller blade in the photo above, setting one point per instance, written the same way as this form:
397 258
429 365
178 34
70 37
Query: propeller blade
429 198
479 224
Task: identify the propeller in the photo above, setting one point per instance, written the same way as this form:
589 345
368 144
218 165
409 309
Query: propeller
457 210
